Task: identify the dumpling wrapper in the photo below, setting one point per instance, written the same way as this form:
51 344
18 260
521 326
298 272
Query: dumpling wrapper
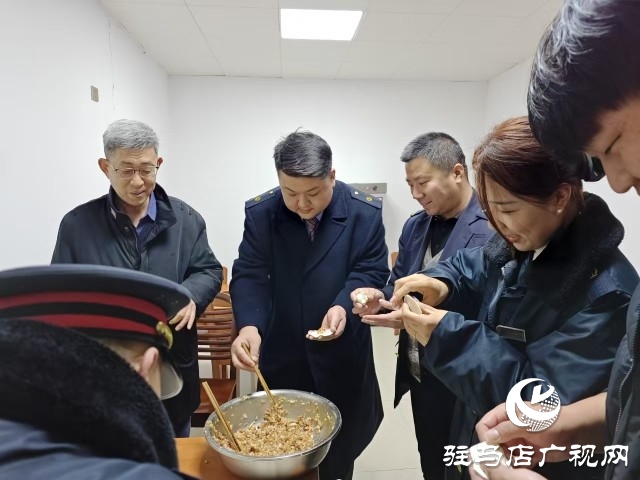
323 332
414 305
474 452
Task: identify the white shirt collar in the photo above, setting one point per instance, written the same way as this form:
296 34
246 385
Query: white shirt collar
537 252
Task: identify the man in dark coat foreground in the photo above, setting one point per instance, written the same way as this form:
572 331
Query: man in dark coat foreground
84 355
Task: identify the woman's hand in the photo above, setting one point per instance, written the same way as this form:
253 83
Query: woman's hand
421 325
433 291
496 428
501 472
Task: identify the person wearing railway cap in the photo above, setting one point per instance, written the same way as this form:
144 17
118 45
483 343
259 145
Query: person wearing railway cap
138 226
85 360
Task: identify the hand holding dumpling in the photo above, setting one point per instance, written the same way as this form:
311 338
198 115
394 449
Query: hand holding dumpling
366 301
420 325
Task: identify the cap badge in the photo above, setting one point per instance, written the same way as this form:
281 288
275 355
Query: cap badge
164 331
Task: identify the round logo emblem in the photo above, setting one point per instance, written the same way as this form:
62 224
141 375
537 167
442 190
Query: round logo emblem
544 409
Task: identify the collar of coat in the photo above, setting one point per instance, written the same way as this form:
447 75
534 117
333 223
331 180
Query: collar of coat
337 208
165 216
468 216
577 250
79 391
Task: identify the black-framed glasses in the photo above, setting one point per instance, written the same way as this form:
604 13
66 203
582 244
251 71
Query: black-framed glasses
128 173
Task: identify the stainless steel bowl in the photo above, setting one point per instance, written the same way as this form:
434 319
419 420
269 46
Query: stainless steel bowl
244 411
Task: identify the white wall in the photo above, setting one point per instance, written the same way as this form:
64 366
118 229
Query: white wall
507 96
52 52
217 134
224 130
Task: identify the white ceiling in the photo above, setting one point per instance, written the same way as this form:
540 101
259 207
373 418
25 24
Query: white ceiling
457 40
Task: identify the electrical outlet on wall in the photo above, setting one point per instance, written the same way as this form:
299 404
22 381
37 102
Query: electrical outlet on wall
372 188
95 96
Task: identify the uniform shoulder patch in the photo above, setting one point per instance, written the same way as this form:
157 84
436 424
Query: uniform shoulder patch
366 198
260 198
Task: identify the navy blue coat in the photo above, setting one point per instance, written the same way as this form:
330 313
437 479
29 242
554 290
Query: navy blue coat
623 406
471 230
176 249
570 302
283 284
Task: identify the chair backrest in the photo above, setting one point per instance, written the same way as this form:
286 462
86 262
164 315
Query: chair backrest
216 332
222 299
225 282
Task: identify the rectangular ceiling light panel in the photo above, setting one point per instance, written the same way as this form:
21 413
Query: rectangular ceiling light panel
319 24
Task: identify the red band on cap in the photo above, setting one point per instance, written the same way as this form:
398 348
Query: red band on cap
93 321
132 303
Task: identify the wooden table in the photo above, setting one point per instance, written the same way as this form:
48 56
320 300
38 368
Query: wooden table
197 458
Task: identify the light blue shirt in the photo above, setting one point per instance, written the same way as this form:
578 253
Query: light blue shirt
146 223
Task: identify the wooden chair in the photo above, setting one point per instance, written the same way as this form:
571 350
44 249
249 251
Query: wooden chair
216 332
224 288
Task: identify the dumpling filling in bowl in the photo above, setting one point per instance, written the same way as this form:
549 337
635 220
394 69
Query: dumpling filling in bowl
303 423
275 435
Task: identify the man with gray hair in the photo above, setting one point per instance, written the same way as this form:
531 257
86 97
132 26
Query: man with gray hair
450 219
138 226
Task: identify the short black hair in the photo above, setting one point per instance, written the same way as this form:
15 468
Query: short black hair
587 63
439 149
303 154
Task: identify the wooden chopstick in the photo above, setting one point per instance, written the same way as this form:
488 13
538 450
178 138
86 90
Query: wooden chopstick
214 402
260 377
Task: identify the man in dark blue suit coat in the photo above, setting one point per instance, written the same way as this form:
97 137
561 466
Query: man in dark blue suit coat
450 219
306 246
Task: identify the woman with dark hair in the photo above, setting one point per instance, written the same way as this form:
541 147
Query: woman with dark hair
545 298
584 98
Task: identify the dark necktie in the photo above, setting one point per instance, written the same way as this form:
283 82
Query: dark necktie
312 226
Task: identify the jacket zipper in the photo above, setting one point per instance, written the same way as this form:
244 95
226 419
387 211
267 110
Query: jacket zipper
624 380
138 252
131 229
